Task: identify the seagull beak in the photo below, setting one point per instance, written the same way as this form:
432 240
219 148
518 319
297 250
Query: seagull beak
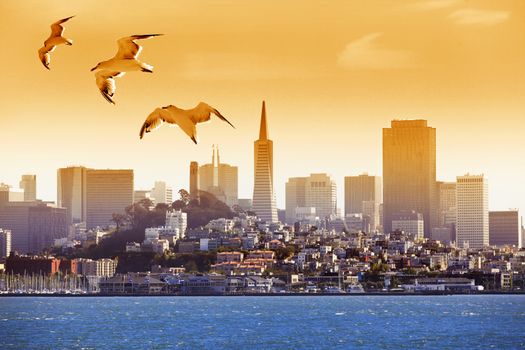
92 69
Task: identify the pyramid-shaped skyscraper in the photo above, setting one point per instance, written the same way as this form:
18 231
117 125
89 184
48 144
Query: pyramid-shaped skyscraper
263 195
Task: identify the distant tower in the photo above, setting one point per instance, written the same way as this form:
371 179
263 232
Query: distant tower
263 195
28 184
194 180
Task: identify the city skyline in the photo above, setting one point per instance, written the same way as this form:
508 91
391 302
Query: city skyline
468 86
281 202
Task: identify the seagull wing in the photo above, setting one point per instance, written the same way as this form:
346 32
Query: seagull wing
155 120
199 114
128 48
106 83
221 117
45 57
184 120
57 29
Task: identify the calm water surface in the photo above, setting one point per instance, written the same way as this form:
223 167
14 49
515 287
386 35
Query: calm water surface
328 322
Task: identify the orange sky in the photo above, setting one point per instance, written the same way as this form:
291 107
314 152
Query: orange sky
333 74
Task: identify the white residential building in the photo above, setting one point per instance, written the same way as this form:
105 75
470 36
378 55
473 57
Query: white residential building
176 219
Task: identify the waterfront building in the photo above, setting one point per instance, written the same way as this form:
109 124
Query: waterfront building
264 203
409 222
505 228
29 265
409 171
28 184
161 193
5 243
97 268
472 223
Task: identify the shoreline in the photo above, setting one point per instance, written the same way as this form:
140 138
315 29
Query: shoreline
94 295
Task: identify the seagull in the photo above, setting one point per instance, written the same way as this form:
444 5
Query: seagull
186 119
54 39
124 61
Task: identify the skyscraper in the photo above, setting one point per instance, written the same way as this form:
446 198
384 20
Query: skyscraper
363 194
107 192
409 171
28 184
472 222
315 191
194 180
263 193
447 203
321 194
505 228
162 193
33 225
217 178
295 197
71 193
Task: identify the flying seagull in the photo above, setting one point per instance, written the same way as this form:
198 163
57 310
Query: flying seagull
124 61
186 119
54 39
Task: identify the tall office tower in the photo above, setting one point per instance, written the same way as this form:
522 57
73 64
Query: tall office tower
5 243
194 180
161 193
409 171
107 192
228 181
71 193
472 204
217 178
505 228
359 189
315 191
263 194
321 194
28 184
447 203
33 225
363 194
295 197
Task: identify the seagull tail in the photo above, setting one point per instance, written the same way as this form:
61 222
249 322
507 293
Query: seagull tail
107 97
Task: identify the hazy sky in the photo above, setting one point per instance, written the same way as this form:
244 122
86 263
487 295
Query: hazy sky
333 74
